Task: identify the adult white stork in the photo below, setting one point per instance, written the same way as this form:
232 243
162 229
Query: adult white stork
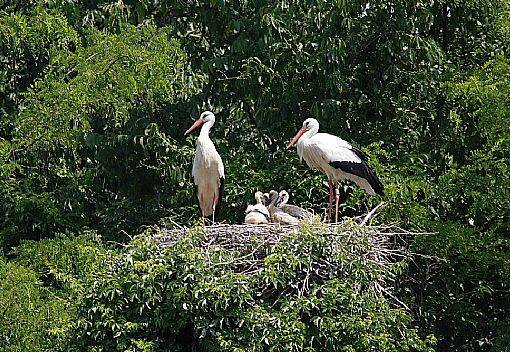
208 172
336 158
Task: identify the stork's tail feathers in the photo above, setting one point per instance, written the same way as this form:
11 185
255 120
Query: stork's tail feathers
362 173
374 182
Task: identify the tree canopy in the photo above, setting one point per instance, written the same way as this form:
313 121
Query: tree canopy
95 97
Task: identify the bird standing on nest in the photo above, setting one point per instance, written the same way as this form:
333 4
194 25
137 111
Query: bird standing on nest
208 172
337 159
277 214
293 210
258 213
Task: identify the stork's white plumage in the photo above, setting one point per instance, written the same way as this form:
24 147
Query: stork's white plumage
336 158
258 213
208 172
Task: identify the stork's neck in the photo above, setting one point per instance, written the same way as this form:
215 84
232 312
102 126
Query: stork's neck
309 134
303 141
204 132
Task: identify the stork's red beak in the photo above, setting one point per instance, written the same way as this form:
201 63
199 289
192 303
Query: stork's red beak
296 137
197 124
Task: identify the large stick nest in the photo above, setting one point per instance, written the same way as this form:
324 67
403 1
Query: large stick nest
377 248
384 238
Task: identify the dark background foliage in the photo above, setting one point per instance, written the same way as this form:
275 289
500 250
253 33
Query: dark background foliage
95 96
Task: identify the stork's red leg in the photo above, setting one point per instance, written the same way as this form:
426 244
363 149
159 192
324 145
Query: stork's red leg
331 196
337 199
214 201
202 208
331 199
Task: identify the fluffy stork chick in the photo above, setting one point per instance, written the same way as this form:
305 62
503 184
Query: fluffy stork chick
277 214
208 172
266 199
290 209
337 159
258 213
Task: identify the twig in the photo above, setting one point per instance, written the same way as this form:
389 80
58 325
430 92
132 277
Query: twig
371 213
244 256
387 292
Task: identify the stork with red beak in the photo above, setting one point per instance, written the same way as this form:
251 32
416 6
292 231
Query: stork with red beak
337 159
208 172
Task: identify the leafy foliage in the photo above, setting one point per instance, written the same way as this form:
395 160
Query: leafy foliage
194 297
74 153
95 96
471 287
40 289
32 318
27 44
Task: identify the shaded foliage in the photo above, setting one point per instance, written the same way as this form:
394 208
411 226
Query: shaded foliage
27 44
70 157
39 291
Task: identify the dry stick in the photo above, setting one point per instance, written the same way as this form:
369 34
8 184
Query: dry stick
386 291
244 256
371 213
175 224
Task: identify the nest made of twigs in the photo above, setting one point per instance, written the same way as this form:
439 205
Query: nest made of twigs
237 236
378 246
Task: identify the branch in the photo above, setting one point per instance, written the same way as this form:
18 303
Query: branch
371 213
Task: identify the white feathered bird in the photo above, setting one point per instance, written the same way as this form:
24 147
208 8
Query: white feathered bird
258 213
336 158
278 215
293 210
208 171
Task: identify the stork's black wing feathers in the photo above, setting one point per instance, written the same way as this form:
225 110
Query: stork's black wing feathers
359 153
361 170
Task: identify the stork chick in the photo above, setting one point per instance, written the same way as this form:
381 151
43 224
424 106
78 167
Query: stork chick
277 214
290 209
258 213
